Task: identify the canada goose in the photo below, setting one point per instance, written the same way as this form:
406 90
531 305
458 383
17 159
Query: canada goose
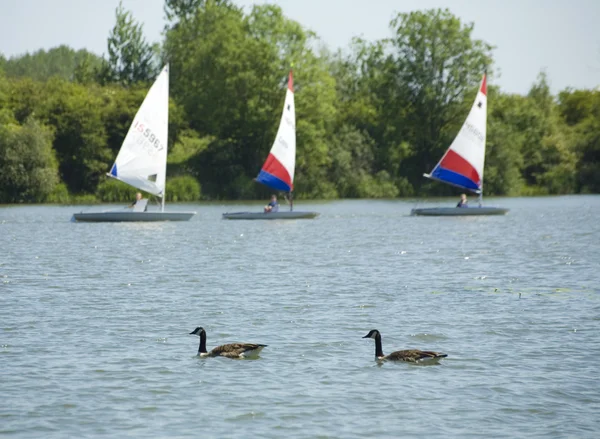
232 350
411 355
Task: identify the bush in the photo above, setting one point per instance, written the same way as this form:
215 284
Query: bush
84 199
378 186
28 167
183 188
405 189
60 195
533 191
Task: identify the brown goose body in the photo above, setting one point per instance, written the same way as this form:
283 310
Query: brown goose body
409 355
231 350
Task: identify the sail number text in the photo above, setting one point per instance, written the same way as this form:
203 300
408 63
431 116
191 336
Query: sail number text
474 131
148 140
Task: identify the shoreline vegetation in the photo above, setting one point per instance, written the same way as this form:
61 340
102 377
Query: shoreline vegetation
370 120
89 201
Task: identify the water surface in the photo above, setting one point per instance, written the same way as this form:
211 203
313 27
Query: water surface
94 323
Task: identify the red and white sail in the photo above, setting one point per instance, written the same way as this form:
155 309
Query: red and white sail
462 165
278 170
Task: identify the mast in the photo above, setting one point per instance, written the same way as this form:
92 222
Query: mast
162 200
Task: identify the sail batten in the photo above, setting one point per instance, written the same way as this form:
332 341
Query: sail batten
462 164
142 160
278 170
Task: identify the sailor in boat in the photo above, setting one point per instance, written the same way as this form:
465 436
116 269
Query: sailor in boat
139 204
463 201
273 205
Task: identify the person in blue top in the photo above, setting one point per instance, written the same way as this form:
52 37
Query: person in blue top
463 201
273 206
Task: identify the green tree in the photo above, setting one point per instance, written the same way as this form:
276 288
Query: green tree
2 63
411 92
436 66
207 56
42 65
536 124
6 113
28 168
504 143
176 10
580 110
368 123
548 159
87 69
352 167
230 74
76 112
26 97
130 57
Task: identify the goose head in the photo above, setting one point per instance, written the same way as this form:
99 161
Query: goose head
199 331
373 333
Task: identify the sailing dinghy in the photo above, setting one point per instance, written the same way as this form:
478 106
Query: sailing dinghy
278 170
462 165
142 160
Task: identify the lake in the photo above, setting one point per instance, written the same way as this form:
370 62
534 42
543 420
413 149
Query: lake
95 322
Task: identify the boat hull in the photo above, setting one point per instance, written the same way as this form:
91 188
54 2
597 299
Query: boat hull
459 211
269 216
114 217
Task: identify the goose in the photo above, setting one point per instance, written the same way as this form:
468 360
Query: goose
231 350
410 355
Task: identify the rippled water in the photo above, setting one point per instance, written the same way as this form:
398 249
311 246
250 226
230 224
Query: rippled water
94 323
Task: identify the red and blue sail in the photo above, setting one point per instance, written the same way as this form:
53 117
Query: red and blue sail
462 165
278 170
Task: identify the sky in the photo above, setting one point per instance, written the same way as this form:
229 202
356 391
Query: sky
560 37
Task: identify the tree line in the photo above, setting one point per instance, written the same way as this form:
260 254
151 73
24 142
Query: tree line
370 120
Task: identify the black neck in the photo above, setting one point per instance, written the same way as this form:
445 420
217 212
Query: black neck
202 347
378 348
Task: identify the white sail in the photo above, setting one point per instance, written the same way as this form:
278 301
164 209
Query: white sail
142 160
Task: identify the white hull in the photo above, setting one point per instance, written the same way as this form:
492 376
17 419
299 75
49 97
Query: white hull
116 216
459 211
269 216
